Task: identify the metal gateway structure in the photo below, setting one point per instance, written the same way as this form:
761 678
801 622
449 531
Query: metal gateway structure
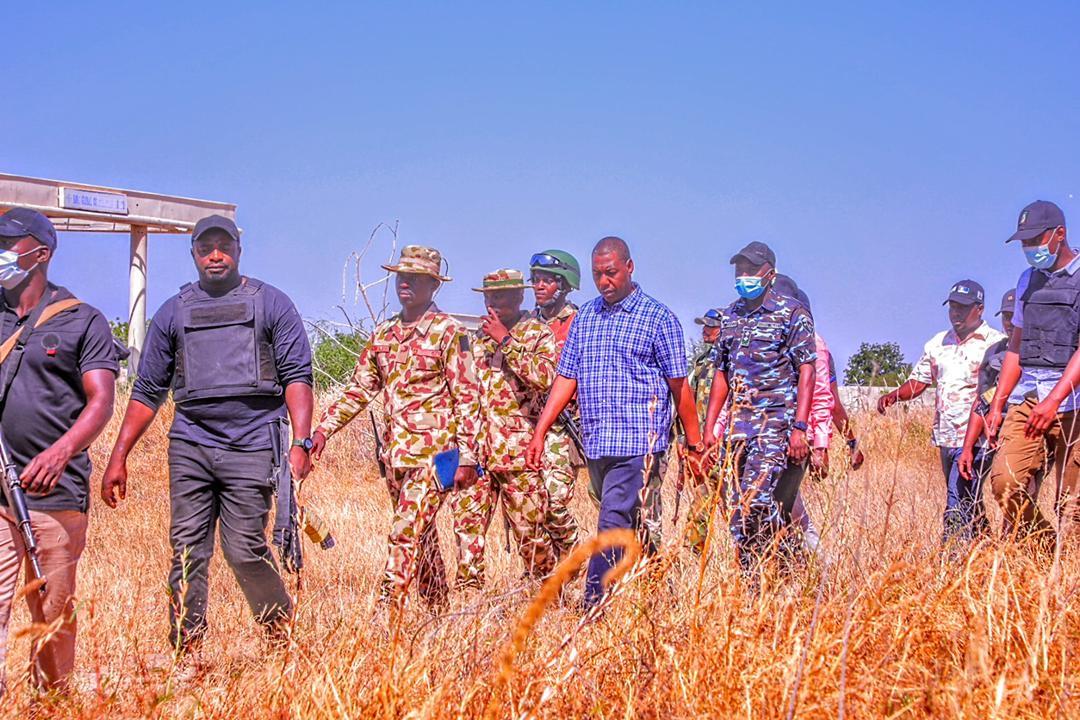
78 207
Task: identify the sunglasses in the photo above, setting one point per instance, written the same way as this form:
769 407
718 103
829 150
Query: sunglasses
543 260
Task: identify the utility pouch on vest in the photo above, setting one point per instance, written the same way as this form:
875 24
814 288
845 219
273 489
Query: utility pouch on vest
221 346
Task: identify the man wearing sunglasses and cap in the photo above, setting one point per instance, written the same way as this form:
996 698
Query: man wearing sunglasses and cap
951 360
58 371
515 355
234 352
554 275
1039 379
420 362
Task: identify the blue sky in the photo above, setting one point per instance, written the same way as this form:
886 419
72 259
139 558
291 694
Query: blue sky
883 150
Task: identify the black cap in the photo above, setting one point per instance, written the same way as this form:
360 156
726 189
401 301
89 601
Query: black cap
1037 218
21 222
966 292
215 222
785 285
711 318
1008 303
758 253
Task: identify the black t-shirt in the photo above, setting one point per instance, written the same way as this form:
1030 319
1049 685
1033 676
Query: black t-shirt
989 371
233 423
46 396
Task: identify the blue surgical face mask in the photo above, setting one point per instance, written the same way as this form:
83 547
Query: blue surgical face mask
749 286
1040 257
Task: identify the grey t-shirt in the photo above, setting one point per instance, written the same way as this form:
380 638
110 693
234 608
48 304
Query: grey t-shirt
46 396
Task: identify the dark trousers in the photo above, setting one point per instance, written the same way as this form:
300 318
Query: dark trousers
209 487
965 513
619 481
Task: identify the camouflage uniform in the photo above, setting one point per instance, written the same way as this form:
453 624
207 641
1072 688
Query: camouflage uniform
702 371
559 470
760 353
514 380
427 379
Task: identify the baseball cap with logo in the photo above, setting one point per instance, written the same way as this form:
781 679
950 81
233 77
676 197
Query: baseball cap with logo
1037 218
758 253
966 292
1008 303
711 318
21 222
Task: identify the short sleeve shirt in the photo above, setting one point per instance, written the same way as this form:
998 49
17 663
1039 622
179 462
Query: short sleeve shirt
622 356
760 351
47 396
954 366
234 423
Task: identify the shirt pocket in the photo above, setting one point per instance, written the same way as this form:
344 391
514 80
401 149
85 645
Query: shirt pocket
424 364
764 340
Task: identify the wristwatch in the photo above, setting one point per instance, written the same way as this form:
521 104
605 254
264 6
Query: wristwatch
799 425
698 448
305 443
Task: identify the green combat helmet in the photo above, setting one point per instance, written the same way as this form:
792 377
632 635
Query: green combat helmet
558 262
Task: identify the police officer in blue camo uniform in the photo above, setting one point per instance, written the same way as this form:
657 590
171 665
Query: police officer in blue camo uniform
765 376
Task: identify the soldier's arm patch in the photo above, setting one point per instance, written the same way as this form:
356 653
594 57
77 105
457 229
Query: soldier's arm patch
463 342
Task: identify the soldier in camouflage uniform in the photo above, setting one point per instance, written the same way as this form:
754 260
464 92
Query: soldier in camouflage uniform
515 358
765 367
702 370
421 362
554 274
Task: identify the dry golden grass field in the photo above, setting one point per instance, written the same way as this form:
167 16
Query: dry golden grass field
880 627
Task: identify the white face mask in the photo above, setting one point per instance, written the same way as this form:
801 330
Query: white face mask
11 275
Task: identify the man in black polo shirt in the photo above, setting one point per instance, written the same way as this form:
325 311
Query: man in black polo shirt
59 397
234 352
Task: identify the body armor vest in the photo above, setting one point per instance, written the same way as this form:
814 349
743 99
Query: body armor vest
1051 320
222 349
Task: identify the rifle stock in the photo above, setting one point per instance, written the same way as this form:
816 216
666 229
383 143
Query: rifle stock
378 445
572 431
16 500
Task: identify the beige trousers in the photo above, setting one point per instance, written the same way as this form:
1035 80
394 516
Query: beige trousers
61 537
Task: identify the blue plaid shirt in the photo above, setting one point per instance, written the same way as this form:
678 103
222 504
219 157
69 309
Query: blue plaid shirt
622 356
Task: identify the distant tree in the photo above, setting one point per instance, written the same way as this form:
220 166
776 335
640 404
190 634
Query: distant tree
119 330
334 357
877 365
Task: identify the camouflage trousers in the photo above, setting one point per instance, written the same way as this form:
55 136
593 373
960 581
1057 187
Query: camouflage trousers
559 475
757 464
524 505
413 542
703 502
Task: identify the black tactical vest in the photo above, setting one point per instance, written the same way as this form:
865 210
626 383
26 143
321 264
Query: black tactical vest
1051 320
222 347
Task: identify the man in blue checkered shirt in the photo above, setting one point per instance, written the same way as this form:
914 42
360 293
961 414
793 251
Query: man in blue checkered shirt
625 358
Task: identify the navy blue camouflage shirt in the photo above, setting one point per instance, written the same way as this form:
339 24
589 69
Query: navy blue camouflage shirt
760 353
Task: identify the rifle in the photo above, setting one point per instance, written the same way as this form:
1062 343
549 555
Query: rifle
378 445
16 500
572 431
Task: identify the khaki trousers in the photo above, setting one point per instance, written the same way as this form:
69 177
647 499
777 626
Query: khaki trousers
61 537
1020 459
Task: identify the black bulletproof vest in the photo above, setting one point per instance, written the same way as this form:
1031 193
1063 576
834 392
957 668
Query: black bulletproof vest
222 346
1051 320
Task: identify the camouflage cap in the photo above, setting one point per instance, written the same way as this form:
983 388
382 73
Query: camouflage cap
419 260
504 279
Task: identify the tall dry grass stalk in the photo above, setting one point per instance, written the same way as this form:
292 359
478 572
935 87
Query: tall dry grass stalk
879 625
